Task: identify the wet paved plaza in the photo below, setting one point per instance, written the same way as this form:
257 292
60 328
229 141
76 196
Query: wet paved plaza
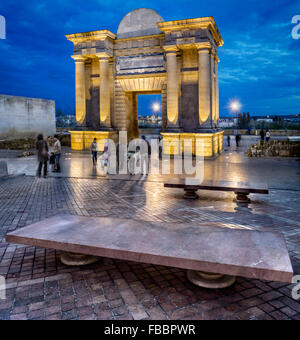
40 287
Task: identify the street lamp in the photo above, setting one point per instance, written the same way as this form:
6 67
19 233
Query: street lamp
235 107
156 109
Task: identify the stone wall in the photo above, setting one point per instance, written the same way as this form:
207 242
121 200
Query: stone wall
22 117
273 132
275 148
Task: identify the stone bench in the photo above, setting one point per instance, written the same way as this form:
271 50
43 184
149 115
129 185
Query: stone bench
242 190
203 251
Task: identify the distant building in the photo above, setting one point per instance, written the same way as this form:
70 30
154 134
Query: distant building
227 122
266 120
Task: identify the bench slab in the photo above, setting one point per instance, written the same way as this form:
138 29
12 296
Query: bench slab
253 254
242 187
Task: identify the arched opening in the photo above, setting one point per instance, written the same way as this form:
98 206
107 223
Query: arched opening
144 113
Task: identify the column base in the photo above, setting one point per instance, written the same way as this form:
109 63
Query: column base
173 130
72 259
203 144
82 140
242 198
190 194
209 280
106 129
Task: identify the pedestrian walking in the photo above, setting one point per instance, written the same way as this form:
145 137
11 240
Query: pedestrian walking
262 135
160 148
135 162
94 149
43 155
57 153
237 140
228 140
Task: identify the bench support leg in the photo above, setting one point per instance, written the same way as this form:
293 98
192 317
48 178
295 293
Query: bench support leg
242 197
190 194
71 259
209 280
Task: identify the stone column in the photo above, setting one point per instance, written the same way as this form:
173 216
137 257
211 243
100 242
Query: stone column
104 96
80 89
217 114
205 86
172 88
213 89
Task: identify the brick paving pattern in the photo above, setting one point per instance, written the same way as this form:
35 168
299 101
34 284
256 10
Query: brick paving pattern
40 287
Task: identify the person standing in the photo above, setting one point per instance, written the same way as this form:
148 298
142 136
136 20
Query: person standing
94 149
262 135
237 139
268 135
57 153
43 155
228 140
104 159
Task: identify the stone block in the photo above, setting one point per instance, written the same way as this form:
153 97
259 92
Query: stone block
248 253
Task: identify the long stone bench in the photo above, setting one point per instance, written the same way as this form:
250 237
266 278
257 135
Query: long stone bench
203 251
242 190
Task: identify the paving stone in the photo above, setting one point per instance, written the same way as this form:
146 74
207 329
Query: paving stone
121 290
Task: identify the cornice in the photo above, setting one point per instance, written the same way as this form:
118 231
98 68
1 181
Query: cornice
202 23
88 36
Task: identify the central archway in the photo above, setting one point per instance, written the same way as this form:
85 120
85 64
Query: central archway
130 89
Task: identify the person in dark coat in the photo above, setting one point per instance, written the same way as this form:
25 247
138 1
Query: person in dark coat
228 140
43 155
237 140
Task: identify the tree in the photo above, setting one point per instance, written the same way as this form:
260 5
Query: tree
59 113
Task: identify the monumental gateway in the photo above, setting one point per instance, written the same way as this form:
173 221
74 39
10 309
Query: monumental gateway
177 59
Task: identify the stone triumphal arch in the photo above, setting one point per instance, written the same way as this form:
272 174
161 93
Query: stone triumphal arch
177 59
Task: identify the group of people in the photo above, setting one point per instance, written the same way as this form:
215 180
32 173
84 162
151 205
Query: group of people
237 139
104 157
136 157
265 135
44 156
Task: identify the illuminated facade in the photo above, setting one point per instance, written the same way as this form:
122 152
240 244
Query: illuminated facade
177 59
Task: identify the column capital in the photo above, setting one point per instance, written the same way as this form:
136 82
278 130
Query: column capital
170 48
79 58
103 55
203 47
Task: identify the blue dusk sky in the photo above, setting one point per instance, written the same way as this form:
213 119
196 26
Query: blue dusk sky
260 61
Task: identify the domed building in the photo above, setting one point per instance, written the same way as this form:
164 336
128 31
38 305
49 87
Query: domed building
177 59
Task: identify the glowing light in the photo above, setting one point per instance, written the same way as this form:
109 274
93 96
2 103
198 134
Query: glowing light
156 107
235 106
